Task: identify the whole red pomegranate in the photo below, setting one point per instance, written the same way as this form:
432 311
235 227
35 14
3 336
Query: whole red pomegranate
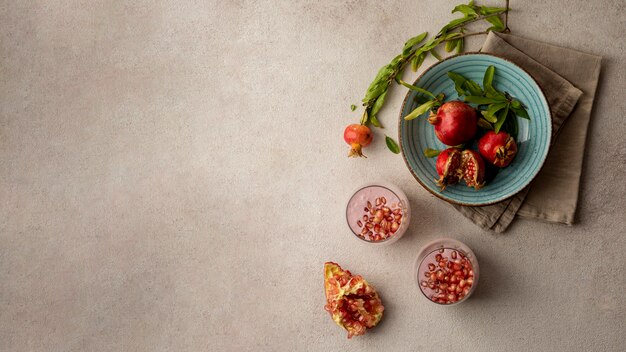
455 123
454 165
357 136
497 148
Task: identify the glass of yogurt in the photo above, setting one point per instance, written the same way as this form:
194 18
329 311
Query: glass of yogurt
378 213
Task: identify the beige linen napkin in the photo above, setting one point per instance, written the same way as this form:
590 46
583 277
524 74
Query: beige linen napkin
569 79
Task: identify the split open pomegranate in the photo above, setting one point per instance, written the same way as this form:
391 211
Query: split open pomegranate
454 165
351 301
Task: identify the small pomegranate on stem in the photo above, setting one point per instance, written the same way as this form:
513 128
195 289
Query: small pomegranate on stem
455 123
357 136
497 148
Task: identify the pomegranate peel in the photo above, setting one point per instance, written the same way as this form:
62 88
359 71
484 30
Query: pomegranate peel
352 303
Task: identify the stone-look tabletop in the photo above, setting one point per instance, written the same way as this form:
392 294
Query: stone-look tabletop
173 177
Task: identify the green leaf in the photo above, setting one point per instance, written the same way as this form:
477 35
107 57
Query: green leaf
420 110
352 107
521 112
480 100
431 153
412 42
459 82
378 104
494 108
498 26
412 87
392 145
376 91
473 87
460 43
417 61
434 53
375 121
484 10
516 104
502 115
488 117
465 9
454 23
450 45
488 78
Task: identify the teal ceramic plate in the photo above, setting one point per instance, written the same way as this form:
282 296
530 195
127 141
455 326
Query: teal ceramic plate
533 137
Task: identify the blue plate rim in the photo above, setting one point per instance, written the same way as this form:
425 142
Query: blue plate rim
442 196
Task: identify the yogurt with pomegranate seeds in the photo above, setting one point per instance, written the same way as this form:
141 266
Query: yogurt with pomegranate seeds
447 272
378 213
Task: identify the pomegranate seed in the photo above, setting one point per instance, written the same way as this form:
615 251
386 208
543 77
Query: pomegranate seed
452 287
365 210
471 273
443 286
431 286
377 201
438 257
454 279
383 200
369 204
449 266
386 210
364 231
372 211
369 233
389 218
462 283
457 266
394 226
397 211
397 217
452 297
376 228
466 291
439 275
458 290
369 225
458 273
427 274
442 264
453 255
377 220
433 276
470 281
377 238
431 267
446 278
379 213
424 283
441 250
365 218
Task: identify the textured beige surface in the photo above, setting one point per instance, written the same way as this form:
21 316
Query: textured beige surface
172 177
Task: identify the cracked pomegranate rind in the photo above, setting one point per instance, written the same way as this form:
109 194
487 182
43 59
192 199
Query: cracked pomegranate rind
352 303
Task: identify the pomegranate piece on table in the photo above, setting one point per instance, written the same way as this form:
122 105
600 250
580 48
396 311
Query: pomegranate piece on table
351 301
357 136
455 123
498 149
